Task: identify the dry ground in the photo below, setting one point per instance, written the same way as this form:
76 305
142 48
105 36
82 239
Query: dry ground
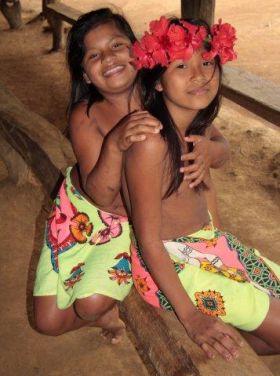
248 186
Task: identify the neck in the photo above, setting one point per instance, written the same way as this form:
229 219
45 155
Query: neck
182 117
125 102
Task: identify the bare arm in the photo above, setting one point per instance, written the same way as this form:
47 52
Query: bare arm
100 159
144 176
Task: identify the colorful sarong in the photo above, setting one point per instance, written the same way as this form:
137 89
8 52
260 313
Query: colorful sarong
221 276
86 251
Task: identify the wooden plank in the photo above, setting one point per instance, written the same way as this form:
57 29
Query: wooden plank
252 92
204 9
64 12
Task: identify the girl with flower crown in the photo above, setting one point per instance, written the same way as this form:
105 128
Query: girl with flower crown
84 266
180 260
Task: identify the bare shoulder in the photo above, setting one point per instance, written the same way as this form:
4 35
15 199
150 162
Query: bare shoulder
79 116
153 147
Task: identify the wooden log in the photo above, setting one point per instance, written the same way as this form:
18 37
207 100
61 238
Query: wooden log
18 170
172 352
204 9
39 143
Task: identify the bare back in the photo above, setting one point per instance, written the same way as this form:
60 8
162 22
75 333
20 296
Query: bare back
145 182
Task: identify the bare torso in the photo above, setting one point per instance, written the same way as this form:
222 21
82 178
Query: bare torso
182 213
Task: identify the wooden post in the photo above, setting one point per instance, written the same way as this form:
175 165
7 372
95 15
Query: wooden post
56 26
198 9
12 12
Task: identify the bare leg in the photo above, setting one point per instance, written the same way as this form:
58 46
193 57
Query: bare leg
265 340
96 310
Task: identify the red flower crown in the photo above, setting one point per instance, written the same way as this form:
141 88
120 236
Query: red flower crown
167 42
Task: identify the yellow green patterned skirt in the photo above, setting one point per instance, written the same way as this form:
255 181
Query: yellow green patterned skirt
223 277
86 251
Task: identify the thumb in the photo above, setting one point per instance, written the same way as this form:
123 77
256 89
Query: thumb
193 138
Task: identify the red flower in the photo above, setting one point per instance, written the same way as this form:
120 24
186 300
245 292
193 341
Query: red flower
159 28
166 43
222 43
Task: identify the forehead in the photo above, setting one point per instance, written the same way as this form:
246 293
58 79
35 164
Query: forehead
103 33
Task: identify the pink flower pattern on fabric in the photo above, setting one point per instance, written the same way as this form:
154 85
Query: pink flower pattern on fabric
113 228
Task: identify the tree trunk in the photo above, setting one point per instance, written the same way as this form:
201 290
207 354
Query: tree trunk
11 10
198 9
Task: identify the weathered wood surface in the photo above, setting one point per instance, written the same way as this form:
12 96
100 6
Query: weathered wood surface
39 143
172 352
204 9
62 11
256 94
57 12
160 335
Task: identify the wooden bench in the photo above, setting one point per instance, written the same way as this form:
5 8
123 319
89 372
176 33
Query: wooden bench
56 13
157 333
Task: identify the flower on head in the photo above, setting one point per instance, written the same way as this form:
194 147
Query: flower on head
222 42
168 41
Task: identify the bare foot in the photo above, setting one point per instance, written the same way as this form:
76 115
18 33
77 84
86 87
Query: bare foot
113 328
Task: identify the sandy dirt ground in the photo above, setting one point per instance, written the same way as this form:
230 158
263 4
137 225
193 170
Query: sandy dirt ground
248 186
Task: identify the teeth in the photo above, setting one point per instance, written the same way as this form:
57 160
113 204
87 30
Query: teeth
113 70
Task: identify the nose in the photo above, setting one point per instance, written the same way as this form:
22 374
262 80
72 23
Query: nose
108 56
197 74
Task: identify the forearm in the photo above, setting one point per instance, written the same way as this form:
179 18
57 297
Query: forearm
162 271
220 152
103 182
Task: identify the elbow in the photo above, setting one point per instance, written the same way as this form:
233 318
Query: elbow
103 198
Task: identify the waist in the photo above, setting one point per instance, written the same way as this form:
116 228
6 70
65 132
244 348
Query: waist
73 178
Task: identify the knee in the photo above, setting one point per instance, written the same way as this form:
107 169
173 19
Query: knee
91 308
48 326
47 319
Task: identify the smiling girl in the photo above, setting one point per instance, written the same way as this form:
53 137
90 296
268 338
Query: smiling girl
180 261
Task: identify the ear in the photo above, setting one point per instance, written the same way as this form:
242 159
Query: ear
158 86
88 81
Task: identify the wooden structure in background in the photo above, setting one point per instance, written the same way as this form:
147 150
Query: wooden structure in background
43 148
248 90
11 10
204 9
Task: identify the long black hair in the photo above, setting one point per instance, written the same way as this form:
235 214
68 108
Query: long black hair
75 53
153 101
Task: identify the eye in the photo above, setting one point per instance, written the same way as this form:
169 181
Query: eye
94 56
117 45
208 63
181 66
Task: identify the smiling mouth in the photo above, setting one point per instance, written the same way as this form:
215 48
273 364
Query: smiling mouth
199 91
114 70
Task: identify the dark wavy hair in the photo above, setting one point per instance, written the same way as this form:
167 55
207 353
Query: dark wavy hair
75 52
153 102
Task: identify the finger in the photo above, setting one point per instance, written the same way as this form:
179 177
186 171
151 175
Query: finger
143 121
229 332
189 156
193 138
192 175
197 166
227 354
197 181
144 128
210 352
